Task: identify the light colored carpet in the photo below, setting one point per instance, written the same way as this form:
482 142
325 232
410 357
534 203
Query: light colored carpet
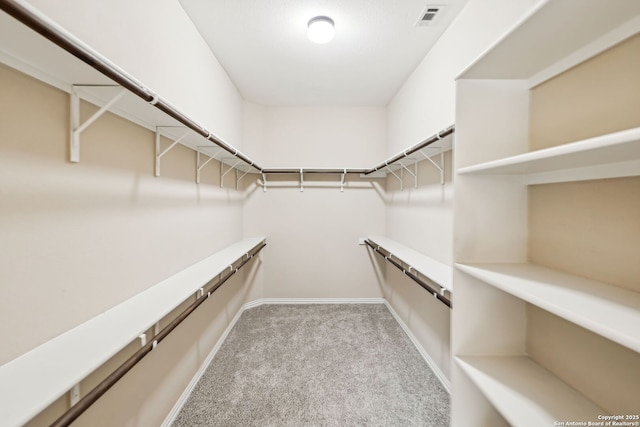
317 365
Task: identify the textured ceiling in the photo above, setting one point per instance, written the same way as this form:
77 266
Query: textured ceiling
262 45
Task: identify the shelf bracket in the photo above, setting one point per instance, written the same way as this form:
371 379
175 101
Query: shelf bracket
414 174
301 180
239 179
143 339
264 182
386 166
159 153
440 166
77 128
342 181
74 395
223 174
200 166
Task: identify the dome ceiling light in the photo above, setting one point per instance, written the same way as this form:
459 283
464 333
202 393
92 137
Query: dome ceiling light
321 29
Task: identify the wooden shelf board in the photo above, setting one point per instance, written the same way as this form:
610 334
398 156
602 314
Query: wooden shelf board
526 394
602 150
36 379
607 310
438 272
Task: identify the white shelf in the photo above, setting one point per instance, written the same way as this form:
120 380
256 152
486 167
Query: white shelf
610 150
526 394
607 310
34 380
431 150
543 39
438 272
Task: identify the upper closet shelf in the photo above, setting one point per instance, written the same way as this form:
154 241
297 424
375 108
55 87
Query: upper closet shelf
607 310
526 394
436 271
603 156
70 65
541 44
439 143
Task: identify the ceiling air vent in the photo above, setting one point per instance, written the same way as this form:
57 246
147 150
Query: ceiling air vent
430 14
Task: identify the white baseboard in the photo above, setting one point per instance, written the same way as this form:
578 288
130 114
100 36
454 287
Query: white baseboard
432 364
192 384
187 392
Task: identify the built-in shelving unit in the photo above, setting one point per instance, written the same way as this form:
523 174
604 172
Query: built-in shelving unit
506 365
36 379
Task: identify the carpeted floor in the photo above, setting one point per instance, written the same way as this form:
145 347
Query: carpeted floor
317 365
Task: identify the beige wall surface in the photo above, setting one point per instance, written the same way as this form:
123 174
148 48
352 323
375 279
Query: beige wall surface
588 228
78 239
601 370
313 235
599 96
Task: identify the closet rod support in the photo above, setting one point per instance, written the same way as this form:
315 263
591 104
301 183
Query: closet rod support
77 128
223 174
200 166
397 177
440 166
74 395
159 153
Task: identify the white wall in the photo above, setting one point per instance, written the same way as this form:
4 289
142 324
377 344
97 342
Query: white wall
312 235
156 43
422 218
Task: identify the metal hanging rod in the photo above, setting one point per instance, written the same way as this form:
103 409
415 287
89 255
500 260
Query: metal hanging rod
428 287
52 32
90 398
313 170
414 148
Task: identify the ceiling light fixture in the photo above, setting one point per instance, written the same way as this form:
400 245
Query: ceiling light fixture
321 29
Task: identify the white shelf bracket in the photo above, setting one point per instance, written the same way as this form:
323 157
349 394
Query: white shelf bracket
143 339
159 153
77 128
394 174
74 395
440 166
414 174
301 180
264 182
342 181
223 174
200 166
239 179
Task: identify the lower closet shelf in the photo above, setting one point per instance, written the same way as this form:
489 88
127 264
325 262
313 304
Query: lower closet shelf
31 382
525 393
607 310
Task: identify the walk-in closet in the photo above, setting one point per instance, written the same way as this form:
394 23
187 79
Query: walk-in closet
371 213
